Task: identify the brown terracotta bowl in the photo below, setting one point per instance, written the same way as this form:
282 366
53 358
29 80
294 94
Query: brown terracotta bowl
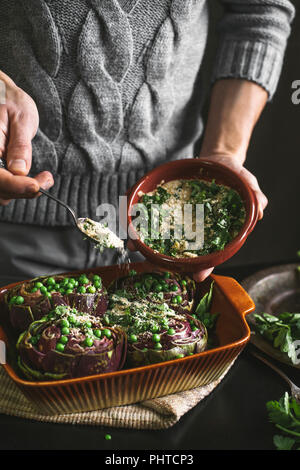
194 168
127 386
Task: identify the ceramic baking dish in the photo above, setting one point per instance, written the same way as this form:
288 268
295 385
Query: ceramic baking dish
134 385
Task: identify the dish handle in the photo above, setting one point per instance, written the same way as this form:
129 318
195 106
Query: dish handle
235 293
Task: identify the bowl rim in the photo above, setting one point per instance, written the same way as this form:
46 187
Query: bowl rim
245 337
239 239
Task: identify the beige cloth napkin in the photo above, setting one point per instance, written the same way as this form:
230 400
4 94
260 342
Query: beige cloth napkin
158 413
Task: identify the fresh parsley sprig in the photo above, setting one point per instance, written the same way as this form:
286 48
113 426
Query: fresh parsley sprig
281 331
285 414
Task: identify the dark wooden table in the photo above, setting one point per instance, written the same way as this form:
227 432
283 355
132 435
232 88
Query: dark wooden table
232 417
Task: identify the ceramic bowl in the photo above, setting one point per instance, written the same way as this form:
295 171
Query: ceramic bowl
194 168
134 385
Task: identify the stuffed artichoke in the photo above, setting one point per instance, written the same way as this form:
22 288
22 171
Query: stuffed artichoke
155 332
158 288
31 300
67 344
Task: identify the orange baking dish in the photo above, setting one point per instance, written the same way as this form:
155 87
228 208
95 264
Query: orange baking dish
142 383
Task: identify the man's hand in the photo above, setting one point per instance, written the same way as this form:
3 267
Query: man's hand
19 122
233 162
235 107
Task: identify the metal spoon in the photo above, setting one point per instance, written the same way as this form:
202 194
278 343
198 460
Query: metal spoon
295 391
77 220
81 222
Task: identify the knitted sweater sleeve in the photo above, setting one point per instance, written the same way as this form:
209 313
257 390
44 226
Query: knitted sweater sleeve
252 41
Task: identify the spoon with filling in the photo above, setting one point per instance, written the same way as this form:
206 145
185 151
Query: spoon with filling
93 230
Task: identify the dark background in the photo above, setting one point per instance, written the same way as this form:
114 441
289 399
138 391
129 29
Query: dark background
273 157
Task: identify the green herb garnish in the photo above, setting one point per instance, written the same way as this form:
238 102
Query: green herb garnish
285 414
281 331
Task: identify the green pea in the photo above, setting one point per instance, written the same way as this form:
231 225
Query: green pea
60 347
87 324
97 284
174 300
107 437
65 282
50 281
98 333
69 291
13 299
96 278
167 275
179 299
107 333
158 288
155 328
56 287
76 284
65 330
133 338
179 356
156 338
173 287
171 331
194 328
84 280
34 290
48 295
38 285
91 289
72 319
19 300
157 346
88 341
183 282
43 289
82 290
64 323
63 339
33 340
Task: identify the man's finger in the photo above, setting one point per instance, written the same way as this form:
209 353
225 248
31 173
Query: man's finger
19 151
202 275
131 246
4 202
45 180
4 125
13 186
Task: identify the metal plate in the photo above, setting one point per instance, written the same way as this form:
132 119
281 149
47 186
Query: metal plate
274 290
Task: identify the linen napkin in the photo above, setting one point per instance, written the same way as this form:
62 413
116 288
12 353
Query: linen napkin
158 413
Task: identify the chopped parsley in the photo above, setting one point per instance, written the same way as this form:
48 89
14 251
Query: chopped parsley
224 216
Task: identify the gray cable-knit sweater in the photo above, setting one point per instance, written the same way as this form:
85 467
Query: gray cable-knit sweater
117 85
